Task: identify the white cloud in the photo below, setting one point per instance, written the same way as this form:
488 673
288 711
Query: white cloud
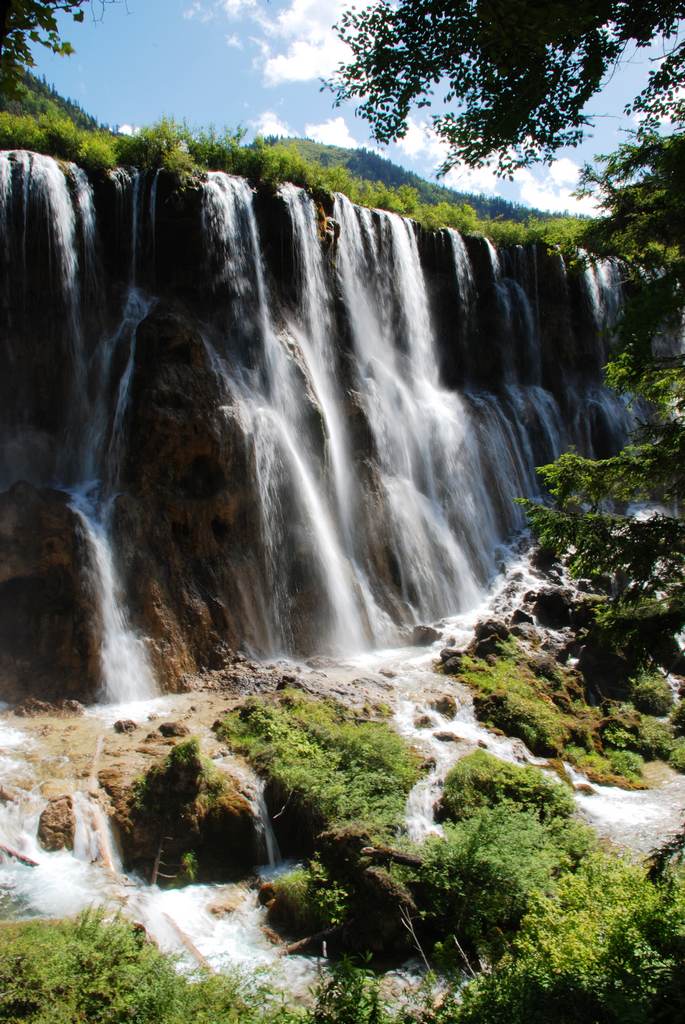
421 141
564 172
269 123
333 132
551 188
234 42
198 10
297 44
473 179
128 129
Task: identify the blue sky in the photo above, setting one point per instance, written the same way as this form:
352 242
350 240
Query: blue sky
259 63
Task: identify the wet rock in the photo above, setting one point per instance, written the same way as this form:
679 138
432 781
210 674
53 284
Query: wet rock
606 673
125 725
451 659
544 665
446 737
488 647
424 636
57 825
423 722
228 902
34 707
176 815
49 629
525 631
552 608
491 627
519 616
6 797
585 788
544 559
266 894
174 729
445 705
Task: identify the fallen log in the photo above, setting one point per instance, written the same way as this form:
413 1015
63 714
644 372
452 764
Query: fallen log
385 854
18 856
302 945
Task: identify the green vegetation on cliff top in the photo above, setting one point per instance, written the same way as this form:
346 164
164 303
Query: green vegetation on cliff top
42 121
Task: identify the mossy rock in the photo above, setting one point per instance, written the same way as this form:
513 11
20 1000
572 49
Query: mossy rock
185 806
482 780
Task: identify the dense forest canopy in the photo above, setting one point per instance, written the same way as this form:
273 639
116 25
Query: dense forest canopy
515 76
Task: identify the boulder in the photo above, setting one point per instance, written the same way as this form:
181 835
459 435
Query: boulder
57 825
125 725
544 560
605 673
34 707
49 624
553 607
220 828
519 616
445 705
491 627
424 636
174 729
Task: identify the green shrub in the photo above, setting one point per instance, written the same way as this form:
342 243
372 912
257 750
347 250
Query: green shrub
652 695
92 972
654 739
481 780
606 947
308 900
479 878
678 718
677 756
337 770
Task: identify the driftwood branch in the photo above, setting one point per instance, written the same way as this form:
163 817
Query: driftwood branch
302 945
18 856
385 854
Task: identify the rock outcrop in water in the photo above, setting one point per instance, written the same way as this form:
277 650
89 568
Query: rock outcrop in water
266 437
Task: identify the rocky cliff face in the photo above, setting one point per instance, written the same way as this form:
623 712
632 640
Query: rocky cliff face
235 418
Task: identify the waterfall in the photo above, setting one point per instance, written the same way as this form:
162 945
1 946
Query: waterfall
273 415
126 672
50 218
382 409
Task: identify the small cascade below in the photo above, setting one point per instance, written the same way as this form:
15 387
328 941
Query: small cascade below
126 672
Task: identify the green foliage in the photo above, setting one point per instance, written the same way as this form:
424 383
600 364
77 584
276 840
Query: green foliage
185 775
552 717
25 24
676 758
57 135
481 780
515 88
678 718
35 97
608 946
479 878
641 186
652 695
654 740
348 995
309 900
187 153
189 867
91 972
337 770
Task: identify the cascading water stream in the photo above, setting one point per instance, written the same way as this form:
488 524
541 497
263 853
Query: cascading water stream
271 412
62 202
